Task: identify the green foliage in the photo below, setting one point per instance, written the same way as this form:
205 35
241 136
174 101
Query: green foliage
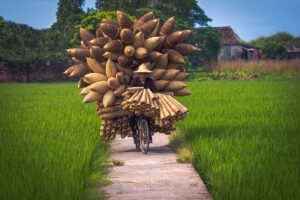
27 46
244 137
178 142
22 44
274 50
226 75
68 8
13 38
50 144
208 40
69 14
273 46
1 22
280 38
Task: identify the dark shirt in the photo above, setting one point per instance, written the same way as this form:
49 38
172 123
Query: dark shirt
149 83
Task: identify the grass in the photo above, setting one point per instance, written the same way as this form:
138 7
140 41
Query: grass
244 137
265 66
117 162
49 143
178 143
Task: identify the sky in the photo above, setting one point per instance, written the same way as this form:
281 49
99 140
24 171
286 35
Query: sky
250 19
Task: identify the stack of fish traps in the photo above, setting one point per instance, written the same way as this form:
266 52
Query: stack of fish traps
105 63
162 109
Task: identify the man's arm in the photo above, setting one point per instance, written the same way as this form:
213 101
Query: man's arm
152 86
133 83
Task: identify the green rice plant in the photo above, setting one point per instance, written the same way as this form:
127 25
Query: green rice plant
178 143
49 143
184 155
244 136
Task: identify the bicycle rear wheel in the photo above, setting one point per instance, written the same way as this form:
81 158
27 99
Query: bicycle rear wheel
136 137
144 135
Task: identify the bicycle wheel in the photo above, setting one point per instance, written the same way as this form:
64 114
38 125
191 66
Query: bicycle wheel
144 135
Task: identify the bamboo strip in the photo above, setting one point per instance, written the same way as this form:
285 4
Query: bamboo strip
137 98
180 106
143 97
176 103
133 96
110 109
150 94
170 110
114 115
171 105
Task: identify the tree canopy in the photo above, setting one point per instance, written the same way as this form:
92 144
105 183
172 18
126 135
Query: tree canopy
208 40
67 9
273 46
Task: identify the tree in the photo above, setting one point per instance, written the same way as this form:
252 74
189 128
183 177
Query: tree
274 50
69 13
68 8
273 46
208 40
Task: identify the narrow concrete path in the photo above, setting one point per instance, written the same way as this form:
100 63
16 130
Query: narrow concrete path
156 175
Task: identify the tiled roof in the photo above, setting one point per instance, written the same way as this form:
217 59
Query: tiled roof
228 36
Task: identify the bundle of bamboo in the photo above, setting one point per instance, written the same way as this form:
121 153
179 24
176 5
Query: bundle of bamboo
114 121
141 102
105 65
163 109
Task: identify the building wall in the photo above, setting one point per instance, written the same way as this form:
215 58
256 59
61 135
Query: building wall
230 52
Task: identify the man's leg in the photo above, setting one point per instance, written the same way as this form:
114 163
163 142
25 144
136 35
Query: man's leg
131 120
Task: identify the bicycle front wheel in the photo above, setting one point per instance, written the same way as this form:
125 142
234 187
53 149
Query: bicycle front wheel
144 135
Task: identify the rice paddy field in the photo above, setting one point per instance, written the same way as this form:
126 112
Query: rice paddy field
49 143
243 134
245 137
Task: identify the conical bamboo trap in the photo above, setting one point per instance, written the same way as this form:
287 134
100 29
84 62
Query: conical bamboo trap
105 63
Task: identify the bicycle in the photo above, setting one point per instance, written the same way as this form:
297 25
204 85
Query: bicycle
141 135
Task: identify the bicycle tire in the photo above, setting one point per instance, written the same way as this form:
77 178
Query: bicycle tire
136 138
144 135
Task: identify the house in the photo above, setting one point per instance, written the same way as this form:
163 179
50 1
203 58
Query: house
293 52
231 44
232 48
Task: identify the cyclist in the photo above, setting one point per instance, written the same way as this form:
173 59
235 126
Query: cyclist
142 80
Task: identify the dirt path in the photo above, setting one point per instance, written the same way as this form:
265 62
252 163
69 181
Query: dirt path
156 175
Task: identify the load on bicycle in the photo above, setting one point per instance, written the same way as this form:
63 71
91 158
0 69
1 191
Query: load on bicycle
118 58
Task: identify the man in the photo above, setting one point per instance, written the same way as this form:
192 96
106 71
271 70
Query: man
142 80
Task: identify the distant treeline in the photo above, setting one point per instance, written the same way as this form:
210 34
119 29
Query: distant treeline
273 47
